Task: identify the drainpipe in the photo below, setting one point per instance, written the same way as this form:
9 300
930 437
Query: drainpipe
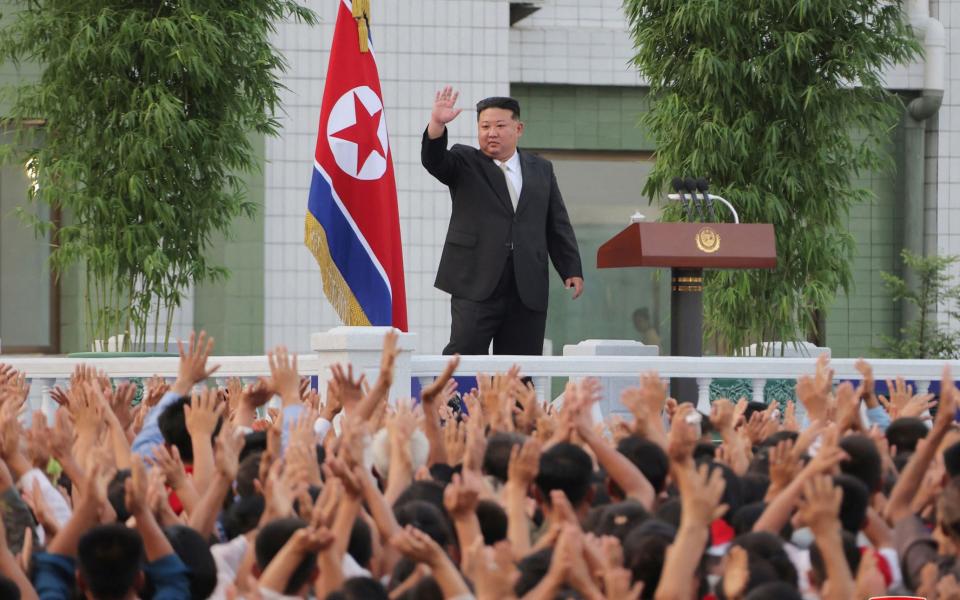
920 109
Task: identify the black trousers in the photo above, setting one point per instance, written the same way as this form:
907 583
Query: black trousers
501 318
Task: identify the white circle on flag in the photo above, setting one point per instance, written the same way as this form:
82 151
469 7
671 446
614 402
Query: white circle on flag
357 134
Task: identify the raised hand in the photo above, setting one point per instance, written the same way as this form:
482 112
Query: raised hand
227 458
444 108
701 492
203 413
820 508
154 390
193 363
170 464
440 390
524 464
460 497
283 374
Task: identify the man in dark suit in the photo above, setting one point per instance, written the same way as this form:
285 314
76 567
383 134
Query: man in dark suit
508 216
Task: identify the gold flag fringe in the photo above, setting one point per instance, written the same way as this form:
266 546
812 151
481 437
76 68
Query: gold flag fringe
335 288
361 13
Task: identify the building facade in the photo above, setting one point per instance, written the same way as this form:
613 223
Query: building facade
568 62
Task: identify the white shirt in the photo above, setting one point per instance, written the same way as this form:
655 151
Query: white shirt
513 172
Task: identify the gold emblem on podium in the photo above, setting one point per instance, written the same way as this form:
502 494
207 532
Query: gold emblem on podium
708 240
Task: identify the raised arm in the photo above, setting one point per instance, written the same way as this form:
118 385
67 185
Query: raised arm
434 155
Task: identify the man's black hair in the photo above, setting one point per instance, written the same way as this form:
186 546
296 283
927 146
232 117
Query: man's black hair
9 589
117 495
753 407
271 538
426 490
769 547
361 543
644 550
864 461
905 432
732 491
496 458
532 569
778 436
620 519
499 102
493 522
427 518
360 588
775 590
194 551
669 512
109 557
856 500
850 551
648 457
243 515
255 441
759 571
568 468
754 487
704 451
747 515
442 473
173 427
248 470
951 460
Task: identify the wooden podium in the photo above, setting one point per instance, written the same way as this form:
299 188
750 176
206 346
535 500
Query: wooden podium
688 249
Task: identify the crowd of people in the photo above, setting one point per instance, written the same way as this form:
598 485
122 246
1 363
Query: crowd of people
198 491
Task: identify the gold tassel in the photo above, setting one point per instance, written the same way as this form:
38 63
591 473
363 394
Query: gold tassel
361 13
335 288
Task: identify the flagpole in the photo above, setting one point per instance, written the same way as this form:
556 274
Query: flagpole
361 13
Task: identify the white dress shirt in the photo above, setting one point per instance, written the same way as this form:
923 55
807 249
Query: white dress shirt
513 171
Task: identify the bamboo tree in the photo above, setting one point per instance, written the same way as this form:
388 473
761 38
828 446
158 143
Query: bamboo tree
148 108
779 103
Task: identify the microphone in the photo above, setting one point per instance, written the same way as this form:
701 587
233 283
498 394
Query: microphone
703 187
680 188
691 187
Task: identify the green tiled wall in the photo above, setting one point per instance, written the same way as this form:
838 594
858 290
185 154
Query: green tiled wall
232 310
592 118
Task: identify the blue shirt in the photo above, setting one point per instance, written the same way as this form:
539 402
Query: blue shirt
54 576
150 435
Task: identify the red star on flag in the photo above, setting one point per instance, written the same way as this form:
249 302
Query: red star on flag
363 132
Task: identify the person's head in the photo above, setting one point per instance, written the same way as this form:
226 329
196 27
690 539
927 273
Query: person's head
360 546
856 500
644 550
948 510
117 494
248 470
498 126
648 457
493 521
760 572
532 569
641 319
194 551
732 491
567 468
864 461
754 487
769 547
271 539
620 519
109 561
951 459
360 588
9 589
775 590
818 571
753 407
496 458
427 518
243 515
173 427
905 432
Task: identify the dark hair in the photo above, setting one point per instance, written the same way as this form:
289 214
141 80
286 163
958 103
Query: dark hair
173 427
951 460
361 543
360 588
117 495
442 473
754 487
532 569
775 590
850 551
9 589
778 436
669 512
648 457
905 432
864 461
194 551
493 522
565 467
248 470
620 519
704 451
426 491
499 102
255 441
746 516
496 459
732 491
271 538
644 550
856 500
759 571
243 515
769 547
753 407
109 557
427 518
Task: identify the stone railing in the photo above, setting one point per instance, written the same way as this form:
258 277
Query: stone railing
361 348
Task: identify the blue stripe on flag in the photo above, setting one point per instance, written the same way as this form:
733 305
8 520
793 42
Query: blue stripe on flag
349 254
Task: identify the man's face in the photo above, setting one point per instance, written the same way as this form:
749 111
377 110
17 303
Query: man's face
498 132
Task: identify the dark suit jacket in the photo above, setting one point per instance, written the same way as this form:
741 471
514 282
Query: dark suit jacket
483 224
